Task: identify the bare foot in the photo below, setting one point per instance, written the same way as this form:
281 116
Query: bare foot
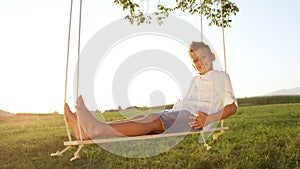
72 121
80 102
87 119
88 122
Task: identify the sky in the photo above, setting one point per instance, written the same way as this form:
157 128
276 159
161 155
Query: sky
262 48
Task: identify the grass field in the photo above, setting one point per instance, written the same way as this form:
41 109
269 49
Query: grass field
265 136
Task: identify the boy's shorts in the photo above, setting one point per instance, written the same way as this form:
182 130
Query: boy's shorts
176 121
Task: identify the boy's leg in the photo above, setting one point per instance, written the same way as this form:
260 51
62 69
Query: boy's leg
140 116
94 128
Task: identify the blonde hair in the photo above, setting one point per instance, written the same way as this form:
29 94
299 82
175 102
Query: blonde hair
198 45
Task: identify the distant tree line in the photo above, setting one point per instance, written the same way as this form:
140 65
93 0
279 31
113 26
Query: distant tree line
262 100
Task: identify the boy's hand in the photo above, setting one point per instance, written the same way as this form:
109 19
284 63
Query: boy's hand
199 121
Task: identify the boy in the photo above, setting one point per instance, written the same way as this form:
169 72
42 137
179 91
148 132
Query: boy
209 99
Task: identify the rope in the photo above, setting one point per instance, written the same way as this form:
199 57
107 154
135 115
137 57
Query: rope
201 25
215 136
78 61
224 48
76 154
60 153
67 68
223 37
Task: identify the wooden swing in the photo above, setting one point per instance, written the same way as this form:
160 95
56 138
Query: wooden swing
80 143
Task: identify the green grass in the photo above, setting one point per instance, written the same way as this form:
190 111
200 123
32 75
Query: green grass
265 136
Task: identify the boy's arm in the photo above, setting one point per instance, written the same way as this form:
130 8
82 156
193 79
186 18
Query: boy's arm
204 119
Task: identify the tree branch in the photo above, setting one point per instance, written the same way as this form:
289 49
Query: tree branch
211 9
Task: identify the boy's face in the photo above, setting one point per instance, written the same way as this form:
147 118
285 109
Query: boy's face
202 60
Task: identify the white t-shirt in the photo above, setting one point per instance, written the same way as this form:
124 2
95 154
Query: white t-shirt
208 93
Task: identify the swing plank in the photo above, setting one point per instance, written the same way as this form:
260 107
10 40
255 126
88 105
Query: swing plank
143 137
